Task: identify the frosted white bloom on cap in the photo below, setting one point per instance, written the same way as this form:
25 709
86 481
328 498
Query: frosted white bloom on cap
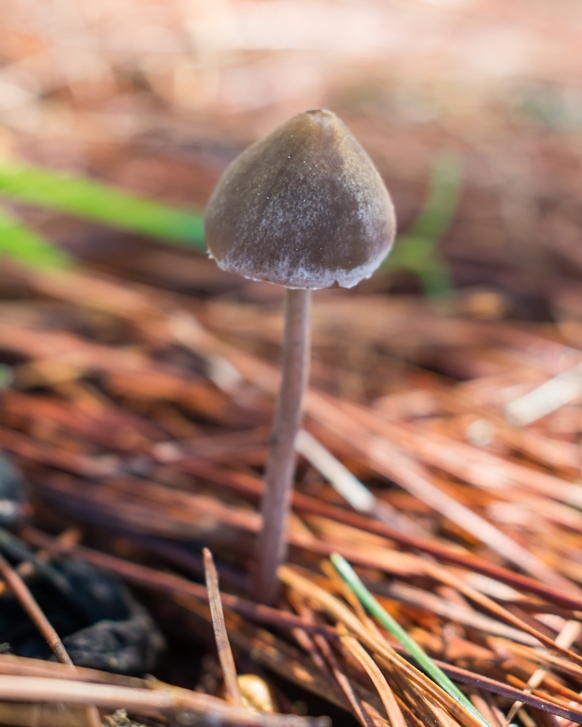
303 207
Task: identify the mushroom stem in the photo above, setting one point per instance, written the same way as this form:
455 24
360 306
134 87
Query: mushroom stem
272 541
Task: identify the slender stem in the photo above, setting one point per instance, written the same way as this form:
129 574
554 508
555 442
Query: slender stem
272 540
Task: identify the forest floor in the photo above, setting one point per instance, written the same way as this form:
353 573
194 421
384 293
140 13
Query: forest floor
139 384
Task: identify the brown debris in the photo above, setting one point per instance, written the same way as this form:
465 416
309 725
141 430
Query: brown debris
103 453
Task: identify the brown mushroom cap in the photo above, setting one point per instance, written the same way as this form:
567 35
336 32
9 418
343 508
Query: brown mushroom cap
303 207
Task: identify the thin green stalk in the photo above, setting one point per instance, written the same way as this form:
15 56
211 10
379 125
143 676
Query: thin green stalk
92 200
424 661
417 248
20 243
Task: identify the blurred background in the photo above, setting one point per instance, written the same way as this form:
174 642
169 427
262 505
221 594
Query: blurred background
159 95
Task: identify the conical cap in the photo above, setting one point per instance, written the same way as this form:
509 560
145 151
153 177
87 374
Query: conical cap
303 207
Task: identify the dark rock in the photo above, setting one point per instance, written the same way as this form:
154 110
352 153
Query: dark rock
101 624
11 492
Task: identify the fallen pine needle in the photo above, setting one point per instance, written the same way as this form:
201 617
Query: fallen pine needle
386 694
349 575
381 647
221 637
172 700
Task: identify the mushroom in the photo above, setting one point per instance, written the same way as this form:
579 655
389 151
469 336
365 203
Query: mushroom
304 208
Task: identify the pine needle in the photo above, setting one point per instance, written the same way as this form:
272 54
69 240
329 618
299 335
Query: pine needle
424 661
222 643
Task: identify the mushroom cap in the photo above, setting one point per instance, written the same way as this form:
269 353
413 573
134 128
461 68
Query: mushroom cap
303 207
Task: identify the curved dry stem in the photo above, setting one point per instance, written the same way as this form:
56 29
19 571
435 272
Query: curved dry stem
272 543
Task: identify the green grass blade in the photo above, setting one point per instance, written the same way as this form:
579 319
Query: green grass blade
5 376
92 200
26 246
441 205
420 256
417 249
424 661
